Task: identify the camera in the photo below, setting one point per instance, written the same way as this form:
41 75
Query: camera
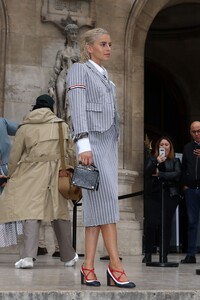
162 151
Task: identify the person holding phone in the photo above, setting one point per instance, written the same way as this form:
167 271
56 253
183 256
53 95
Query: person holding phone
162 170
191 188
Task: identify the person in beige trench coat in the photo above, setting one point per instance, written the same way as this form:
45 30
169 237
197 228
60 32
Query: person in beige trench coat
31 193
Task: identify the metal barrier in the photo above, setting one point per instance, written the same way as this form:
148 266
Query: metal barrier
78 203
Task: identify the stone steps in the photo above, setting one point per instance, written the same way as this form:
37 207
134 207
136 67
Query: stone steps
101 295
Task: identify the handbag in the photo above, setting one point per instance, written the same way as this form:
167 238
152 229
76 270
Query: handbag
86 177
65 186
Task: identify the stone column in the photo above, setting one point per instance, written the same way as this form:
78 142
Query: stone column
129 229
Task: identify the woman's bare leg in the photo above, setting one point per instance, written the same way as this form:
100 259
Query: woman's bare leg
91 240
109 233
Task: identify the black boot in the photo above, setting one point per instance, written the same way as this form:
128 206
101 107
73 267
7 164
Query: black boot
42 251
147 258
163 259
189 259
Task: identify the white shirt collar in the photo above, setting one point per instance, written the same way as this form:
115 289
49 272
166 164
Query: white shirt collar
100 69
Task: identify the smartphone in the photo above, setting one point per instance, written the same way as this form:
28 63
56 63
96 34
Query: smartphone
162 151
197 147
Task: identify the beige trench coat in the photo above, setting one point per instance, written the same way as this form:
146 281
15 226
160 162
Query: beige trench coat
32 190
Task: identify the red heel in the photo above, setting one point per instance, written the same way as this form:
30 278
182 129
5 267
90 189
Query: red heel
84 277
112 280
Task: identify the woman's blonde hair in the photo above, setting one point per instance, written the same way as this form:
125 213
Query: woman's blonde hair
171 151
89 38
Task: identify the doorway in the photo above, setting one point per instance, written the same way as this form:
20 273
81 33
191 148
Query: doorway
171 83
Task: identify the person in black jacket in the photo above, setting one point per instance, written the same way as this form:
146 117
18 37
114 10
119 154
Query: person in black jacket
161 171
191 188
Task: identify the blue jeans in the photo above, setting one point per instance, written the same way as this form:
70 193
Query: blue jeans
192 198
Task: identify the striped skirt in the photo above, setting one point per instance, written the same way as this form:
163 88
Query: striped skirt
101 207
9 233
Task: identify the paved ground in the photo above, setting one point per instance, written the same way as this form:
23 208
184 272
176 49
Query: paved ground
50 277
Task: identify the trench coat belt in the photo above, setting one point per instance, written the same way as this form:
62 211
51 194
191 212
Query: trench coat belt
33 159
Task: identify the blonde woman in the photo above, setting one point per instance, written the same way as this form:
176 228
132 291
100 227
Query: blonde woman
95 130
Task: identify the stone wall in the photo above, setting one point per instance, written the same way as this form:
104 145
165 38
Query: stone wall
28 52
31 50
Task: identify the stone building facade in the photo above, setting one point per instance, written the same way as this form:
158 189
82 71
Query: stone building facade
155 60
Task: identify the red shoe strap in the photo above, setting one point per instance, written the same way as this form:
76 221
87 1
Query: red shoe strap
117 271
89 271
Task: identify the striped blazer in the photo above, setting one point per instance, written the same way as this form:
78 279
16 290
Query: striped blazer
92 99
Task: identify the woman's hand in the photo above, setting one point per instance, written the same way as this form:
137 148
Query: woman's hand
197 152
4 183
161 159
85 158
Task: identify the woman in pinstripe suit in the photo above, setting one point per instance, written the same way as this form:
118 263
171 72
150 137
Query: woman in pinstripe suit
95 130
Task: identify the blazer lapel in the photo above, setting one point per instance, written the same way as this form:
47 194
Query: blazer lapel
101 76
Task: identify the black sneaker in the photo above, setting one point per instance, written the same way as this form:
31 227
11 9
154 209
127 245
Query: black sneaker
42 251
56 254
189 259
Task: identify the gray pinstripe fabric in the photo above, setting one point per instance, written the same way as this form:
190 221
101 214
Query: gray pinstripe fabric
101 207
92 107
92 103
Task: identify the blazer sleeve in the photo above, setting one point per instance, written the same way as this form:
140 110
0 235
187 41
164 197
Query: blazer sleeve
11 127
76 94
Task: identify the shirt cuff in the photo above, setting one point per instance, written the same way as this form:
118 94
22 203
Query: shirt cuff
83 145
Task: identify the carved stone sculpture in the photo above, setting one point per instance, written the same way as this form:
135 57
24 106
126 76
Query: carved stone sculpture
64 59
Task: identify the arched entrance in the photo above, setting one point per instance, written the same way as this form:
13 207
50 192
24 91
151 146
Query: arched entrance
144 47
172 46
164 107
172 71
171 81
